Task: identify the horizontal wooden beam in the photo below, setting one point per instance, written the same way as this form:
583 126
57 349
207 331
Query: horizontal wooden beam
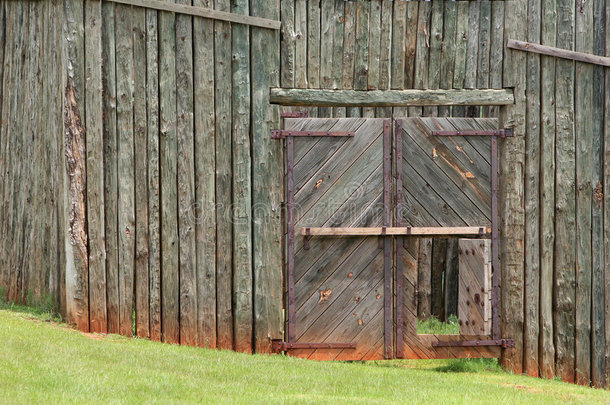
389 98
203 12
558 52
399 231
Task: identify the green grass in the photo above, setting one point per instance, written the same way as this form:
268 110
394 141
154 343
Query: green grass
435 327
42 361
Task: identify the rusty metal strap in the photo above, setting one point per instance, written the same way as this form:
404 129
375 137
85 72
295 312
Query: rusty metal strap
281 346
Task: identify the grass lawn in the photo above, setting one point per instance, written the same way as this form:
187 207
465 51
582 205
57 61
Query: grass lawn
42 361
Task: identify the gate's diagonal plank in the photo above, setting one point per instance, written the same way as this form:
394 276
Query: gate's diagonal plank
354 273
481 144
364 349
318 247
471 202
437 210
352 327
456 158
314 204
312 324
464 154
320 150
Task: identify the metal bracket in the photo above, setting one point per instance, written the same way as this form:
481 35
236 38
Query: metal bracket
502 133
504 343
283 133
306 238
278 346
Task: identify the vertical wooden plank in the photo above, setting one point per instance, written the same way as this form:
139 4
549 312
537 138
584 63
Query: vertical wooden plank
511 202
399 44
327 15
461 48
186 180
313 49
4 142
361 57
95 166
435 29
142 280
349 50
242 179
439 263
154 214
224 260
170 327
337 57
532 197
598 366
385 53
547 191
448 53
496 51
77 294
287 46
472 54
126 195
583 121
422 52
267 182
205 180
606 157
565 195
110 166
374 46
424 274
484 49
300 52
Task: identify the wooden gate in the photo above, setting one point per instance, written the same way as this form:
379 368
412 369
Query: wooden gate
357 192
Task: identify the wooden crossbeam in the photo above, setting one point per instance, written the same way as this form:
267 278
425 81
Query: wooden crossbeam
558 52
390 98
203 12
399 231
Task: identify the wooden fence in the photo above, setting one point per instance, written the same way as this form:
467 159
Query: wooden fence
139 176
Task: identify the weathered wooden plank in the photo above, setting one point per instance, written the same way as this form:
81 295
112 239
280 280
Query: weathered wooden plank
598 366
152 164
472 55
510 197
224 241
337 57
559 52
532 199
374 46
606 156
287 45
461 48
399 47
327 23
547 192
565 197
242 193
203 12
439 264
420 80
110 167
390 98
313 49
140 132
300 55
267 167
126 166
448 53
435 41
349 51
484 49
452 278
361 56
424 274
496 56
411 52
170 289
474 287
385 52
583 123
95 166
205 180
75 175
186 180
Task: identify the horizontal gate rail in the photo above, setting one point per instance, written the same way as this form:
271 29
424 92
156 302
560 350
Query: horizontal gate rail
399 231
280 346
505 343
